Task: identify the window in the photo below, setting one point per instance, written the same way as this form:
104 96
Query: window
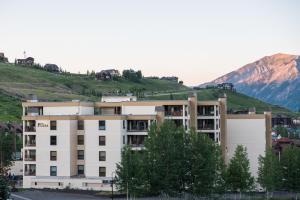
80 139
101 140
124 122
53 140
80 155
102 155
102 171
80 169
52 125
53 171
80 125
102 125
53 155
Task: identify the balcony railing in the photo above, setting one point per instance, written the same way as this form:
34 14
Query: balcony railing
30 129
206 127
137 130
31 143
173 113
30 173
30 158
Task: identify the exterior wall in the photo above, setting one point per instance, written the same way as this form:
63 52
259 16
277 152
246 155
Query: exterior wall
118 98
249 133
70 110
138 110
113 147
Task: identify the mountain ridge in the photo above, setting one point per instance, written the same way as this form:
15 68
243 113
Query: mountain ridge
274 79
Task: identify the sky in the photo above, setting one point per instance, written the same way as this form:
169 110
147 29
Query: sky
195 40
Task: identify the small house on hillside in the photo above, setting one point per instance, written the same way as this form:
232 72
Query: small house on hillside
108 74
29 61
51 68
3 58
226 86
170 78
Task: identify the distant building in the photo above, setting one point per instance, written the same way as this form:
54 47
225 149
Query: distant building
108 74
170 78
226 86
279 145
3 58
29 61
282 121
51 67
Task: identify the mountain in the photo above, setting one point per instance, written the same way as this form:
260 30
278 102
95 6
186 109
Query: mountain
274 79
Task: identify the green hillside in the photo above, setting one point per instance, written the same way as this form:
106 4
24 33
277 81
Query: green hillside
235 101
17 82
22 81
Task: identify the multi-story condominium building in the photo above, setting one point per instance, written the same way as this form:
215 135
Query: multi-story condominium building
77 144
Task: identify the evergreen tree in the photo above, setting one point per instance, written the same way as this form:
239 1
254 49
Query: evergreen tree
290 167
238 176
269 173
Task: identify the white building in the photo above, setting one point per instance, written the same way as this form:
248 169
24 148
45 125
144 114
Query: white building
77 144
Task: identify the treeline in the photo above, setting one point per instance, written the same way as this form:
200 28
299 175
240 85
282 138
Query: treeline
174 162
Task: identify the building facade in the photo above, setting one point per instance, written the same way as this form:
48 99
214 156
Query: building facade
78 144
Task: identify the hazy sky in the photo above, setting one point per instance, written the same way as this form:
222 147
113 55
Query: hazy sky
194 40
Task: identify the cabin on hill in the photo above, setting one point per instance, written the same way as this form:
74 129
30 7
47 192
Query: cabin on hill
29 61
3 58
108 74
51 68
170 78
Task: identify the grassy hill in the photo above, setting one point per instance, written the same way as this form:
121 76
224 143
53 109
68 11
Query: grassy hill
17 82
235 101
22 81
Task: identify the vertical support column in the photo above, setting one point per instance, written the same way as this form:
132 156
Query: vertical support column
160 114
268 118
223 126
193 110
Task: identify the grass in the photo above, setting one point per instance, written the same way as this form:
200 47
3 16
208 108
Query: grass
235 101
22 81
10 108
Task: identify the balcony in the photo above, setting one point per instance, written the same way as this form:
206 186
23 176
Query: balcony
30 155
206 124
34 111
176 111
205 110
30 126
30 170
30 140
136 140
108 111
137 125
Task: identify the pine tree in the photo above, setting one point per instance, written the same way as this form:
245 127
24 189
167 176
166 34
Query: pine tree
238 176
269 173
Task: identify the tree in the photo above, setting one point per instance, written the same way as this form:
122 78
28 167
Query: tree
4 189
269 173
166 158
6 150
131 173
206 165
290 167
238 176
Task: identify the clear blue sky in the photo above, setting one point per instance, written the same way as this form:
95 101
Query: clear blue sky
194 40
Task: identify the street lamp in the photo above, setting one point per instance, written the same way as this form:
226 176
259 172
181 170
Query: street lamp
112 185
